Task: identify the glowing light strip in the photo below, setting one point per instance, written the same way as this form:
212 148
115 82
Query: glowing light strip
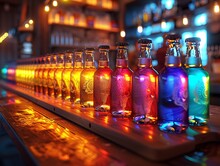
3 37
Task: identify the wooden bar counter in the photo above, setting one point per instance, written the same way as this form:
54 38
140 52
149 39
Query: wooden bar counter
48 139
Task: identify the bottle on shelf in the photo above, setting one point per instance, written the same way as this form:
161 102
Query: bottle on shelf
45 74
39 75
102 81
58 75
121 84
65 83
198 81
75 76
173 90
87 79
50 76
145 87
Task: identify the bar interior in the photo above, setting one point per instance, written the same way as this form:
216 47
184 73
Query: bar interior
109 82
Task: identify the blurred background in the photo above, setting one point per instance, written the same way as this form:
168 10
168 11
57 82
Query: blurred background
32 28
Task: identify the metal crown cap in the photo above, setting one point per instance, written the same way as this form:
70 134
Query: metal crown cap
122 44
144 41
173 36
193 39
104 47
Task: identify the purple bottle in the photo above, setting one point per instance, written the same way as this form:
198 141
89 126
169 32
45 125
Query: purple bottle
145 87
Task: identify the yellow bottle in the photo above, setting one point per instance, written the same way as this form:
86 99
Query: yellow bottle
58 75
75 77
45 74
65 83
50 76
86 79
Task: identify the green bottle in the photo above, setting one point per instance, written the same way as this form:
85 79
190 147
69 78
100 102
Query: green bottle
198 80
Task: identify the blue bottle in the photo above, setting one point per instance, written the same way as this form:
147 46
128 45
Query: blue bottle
173 90
198 80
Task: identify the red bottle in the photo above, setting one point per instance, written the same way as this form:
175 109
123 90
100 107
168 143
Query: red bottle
102 81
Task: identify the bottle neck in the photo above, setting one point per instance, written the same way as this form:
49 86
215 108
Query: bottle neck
122 55
144 59
104 58
193 58
89 61
172 58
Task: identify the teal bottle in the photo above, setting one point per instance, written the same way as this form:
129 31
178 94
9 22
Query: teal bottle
198 82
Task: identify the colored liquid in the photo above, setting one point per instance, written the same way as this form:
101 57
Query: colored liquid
65 84
75 85
36 80
86 87
57 83
121 88
44 82
102 86
50 84
145 96
40 81
173 100
198 96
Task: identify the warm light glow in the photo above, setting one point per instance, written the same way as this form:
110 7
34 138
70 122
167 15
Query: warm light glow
216 7
26 25
127 77
185 20
31 21
163 24
140 29
55 3
3 37
122 34
46 8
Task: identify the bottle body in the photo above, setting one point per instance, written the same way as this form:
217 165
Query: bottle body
198 96
50 85
36 79
45 81
65 84
87 87
173 100
75 85
102 86
40 81
57 82
145 95
121 88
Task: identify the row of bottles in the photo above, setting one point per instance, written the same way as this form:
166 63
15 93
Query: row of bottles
174 98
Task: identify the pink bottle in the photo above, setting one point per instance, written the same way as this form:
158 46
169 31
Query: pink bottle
145 87
121 84
102 81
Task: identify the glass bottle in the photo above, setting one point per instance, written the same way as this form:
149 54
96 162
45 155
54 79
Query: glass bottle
50 76
198 80
65 84
37 60
75 76
102 81
145 86
87 80
40 76
173 90
45 74
121 84
58 75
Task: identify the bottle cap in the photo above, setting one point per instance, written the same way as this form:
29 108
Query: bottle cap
90 49
104 47
78 50
122 44
193 39
173 36
145 41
